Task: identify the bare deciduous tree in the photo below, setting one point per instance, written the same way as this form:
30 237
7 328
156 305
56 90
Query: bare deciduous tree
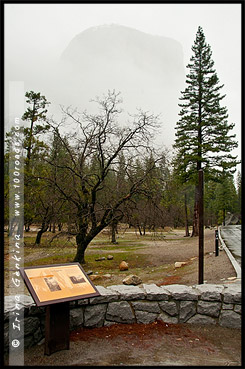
91 164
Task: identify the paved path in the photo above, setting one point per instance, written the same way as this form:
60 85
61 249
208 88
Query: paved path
232 236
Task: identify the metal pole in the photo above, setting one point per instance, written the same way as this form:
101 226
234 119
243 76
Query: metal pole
216 243
200 224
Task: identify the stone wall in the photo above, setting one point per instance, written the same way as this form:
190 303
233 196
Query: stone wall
199 304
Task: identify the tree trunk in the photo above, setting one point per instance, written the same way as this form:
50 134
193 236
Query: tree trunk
43 229
139 228
11 227
113 232
81 247
187 233
21 228
83 241
195 216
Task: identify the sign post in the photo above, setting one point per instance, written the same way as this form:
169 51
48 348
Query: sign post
57 328
54 286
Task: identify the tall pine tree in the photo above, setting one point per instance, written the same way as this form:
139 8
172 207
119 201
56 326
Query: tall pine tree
202 136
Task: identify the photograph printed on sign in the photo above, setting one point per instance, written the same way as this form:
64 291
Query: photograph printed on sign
52 284
77 279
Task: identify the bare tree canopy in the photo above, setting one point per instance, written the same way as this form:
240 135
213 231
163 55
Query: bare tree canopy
87 166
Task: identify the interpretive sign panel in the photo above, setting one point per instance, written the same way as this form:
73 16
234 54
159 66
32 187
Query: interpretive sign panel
51 284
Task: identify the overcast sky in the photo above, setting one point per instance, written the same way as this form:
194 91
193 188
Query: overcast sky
38 29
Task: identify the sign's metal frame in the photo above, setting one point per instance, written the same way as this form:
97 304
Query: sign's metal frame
60 300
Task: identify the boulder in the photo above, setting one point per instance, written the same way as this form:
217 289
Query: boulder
107 275
123 265
89 272
94 277
110 257
132 280
100 259
179 264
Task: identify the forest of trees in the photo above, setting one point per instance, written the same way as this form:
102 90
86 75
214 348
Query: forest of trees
90 171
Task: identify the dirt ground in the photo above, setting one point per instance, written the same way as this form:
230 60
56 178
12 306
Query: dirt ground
158 343
217 269
162 255
158 265
155 344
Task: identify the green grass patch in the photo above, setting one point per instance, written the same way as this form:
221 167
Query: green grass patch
110 266
118 248
105 266
176 239
52 259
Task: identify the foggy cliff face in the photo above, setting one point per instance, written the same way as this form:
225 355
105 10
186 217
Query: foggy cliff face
116 50
148 71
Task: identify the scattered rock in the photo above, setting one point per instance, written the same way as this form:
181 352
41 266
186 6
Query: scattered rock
89 272
132 280
123 265
99 276
179 264
95 277
110 257
107 275
100 259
